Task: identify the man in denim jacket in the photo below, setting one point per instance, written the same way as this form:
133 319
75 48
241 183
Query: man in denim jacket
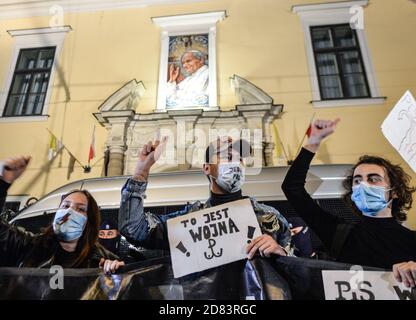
226 177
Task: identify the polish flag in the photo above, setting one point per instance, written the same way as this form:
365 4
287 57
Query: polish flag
309 130
92 147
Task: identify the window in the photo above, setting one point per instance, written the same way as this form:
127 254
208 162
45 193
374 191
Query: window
180 33
338 61
30 82
27 90
340 69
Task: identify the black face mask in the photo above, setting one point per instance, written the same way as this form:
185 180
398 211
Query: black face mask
110 244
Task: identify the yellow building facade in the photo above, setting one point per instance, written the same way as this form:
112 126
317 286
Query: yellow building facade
105 44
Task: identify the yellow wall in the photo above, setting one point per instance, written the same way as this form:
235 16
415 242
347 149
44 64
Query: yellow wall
107 49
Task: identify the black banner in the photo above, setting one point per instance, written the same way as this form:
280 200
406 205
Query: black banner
282 278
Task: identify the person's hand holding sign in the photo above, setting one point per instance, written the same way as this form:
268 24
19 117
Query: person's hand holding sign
320 129
148 156
13 168
405 272
266 246
110 266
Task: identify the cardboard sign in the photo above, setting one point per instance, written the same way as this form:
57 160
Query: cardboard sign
211 237
399 128
364 285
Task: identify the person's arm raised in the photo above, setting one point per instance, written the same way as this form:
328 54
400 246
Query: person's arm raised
11 169
320 129
14 241
320 221
144 229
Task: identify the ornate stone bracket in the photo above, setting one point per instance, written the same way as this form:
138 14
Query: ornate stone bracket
189 130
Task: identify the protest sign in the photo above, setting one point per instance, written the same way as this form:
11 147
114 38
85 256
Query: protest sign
211 237
364 285
399 128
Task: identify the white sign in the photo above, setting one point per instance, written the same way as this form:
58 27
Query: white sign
364 285
399 128
211 237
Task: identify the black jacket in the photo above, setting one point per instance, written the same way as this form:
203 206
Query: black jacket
376 242
20 248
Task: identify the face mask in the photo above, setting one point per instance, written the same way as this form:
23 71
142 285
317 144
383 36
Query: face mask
68 224
230 176
369 199
110 244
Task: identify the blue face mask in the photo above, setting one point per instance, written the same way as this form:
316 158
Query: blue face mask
68 224
369 199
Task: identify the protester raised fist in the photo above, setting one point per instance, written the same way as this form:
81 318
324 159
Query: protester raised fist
148 156
13 168
320 129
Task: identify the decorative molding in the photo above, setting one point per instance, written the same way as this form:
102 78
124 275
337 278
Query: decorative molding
189 23
130 131
125 98
248 93
14 9
24 119
327 6
37 31
34 38
327 14
348 102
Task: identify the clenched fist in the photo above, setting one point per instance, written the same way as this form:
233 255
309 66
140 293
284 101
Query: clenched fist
13 168
320 129
148 156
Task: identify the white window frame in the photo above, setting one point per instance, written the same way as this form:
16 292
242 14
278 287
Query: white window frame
187 25
331 14
30 39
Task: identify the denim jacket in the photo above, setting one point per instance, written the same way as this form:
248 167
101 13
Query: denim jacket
150 231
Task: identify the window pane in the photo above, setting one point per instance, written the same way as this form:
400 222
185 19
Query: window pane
322 38
351 62
327 64
344 36
21 83
355 86
330 87
40 82
15 105
34 104
27 59
46 58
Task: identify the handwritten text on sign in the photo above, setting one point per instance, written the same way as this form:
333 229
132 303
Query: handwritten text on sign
399 128
364 285
211 237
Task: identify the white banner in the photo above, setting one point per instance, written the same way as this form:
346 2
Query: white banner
364 285
211 237
399 128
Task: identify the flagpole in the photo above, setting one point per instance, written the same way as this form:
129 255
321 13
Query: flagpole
280 142
70 153
303 139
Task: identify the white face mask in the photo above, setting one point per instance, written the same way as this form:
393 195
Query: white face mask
230 176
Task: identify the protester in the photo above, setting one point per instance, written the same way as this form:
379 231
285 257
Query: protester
226 178
71 241
109 237
378 191
301 238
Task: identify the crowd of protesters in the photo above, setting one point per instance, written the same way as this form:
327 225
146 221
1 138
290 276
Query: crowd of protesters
378 192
